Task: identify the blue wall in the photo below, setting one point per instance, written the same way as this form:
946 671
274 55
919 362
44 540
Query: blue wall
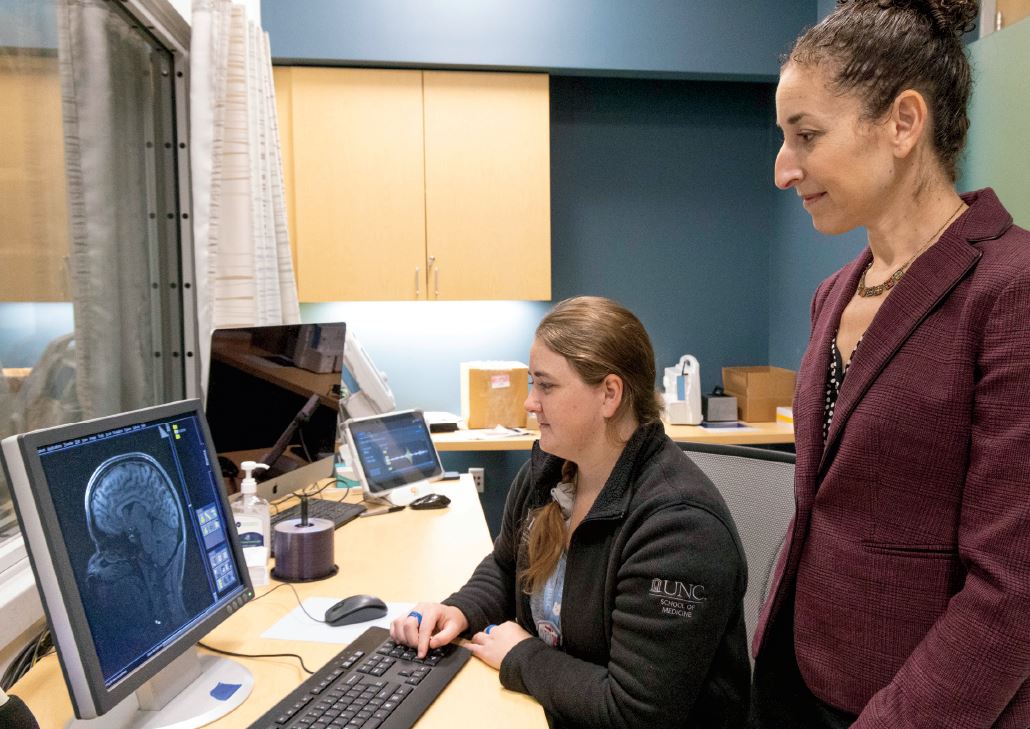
685 38
660 199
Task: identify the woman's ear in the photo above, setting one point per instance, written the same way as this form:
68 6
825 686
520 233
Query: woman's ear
611 390
909 117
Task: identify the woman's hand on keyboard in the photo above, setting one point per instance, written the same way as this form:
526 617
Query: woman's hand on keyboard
440 625
492 647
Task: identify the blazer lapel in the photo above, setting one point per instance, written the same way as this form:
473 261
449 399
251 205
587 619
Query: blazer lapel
808 410
924 285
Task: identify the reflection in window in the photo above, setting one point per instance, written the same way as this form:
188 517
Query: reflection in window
90 306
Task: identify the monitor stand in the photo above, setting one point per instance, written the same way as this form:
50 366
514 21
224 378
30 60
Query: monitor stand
191 691
401 496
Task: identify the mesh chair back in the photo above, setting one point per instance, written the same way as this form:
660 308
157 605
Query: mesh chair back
758 487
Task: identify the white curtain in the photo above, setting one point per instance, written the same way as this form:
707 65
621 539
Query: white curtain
107 98
244 269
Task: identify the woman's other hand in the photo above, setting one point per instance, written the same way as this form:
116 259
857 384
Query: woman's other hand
438 625
493 644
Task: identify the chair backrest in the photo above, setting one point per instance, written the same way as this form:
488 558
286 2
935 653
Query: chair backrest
758 487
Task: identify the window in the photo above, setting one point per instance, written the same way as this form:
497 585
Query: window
96 299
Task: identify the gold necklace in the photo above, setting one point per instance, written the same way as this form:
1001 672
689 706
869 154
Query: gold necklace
878 289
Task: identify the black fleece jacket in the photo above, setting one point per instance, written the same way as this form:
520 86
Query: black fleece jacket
652 621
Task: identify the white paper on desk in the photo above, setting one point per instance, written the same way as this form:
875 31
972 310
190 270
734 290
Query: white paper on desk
295 625
738 428
498 431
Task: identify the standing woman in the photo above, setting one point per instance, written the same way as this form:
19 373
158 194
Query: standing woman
613 592
902 599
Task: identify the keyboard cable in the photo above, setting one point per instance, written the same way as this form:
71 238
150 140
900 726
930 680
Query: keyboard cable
202 644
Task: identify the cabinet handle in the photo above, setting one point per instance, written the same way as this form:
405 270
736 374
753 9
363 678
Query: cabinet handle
436 281
418 287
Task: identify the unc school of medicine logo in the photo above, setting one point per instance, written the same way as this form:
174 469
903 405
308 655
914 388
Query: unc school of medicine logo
677 598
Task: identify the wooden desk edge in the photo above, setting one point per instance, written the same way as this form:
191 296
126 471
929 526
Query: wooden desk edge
772 433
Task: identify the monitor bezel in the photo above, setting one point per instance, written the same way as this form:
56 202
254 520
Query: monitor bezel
359 466
52 568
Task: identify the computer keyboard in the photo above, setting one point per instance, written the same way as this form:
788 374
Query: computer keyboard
373 683
338 512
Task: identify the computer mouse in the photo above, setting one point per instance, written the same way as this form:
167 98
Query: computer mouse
355 609
430 501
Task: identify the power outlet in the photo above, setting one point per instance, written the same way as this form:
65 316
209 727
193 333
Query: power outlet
479 478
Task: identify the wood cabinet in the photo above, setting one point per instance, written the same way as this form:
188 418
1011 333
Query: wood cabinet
404 184
33 194
1013 11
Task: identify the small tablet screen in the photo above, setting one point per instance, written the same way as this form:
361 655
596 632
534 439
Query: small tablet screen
394 449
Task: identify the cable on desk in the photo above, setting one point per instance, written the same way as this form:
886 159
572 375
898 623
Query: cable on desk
29 656
306 670
328 481
270 655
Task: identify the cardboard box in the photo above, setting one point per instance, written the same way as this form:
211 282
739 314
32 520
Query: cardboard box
759 390
494 393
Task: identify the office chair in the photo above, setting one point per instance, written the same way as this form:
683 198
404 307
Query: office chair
758 487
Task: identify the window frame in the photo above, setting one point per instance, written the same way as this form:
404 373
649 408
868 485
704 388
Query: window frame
19 597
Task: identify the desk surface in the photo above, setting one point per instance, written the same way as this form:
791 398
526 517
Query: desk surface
401 557
752 434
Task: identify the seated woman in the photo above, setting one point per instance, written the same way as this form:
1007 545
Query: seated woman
613 592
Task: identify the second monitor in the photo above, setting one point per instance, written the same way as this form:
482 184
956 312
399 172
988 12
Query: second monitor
393 455
281 393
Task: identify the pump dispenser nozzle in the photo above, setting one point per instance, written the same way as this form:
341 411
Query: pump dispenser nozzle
249 485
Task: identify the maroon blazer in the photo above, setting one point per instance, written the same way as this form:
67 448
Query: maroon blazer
909 554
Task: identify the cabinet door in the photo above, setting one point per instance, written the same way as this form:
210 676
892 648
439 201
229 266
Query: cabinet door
282 76
358 184
488 225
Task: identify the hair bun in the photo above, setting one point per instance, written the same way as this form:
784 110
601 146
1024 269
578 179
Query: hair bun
949 17
954 17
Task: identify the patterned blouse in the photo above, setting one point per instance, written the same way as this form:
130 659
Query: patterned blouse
834 379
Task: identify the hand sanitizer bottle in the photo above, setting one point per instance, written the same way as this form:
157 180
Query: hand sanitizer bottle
251 514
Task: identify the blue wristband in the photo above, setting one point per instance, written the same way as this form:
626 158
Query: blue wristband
488 628
417 615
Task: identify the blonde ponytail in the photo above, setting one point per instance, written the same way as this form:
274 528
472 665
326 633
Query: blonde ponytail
546 539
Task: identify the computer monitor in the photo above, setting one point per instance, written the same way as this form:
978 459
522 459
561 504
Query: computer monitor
293 386
258 393
130 538
393 455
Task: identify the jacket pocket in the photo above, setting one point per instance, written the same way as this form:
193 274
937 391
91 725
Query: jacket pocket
914 551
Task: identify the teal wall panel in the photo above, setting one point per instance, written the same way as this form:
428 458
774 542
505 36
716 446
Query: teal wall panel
998 151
